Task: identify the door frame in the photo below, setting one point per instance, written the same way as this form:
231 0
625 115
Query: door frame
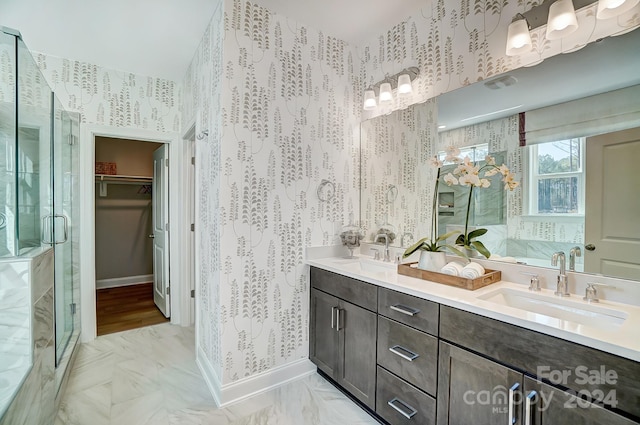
177 236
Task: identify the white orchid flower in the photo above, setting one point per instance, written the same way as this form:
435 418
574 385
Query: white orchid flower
450 180
434 162
490 160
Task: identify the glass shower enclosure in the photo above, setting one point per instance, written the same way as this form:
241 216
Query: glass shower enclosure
38 185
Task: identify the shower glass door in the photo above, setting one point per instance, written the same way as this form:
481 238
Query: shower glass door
65 187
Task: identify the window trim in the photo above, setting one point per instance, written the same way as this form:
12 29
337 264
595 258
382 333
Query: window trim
531 202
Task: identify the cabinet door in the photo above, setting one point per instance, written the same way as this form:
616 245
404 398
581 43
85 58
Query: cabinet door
550 406
358 328
324 340
473 390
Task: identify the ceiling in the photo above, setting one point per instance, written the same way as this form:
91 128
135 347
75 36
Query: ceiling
159 37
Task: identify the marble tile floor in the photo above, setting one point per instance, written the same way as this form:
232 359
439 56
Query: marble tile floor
148 376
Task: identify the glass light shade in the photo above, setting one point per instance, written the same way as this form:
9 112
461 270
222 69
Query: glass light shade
518 38
385 93
369 100
404 84
612 8
562 20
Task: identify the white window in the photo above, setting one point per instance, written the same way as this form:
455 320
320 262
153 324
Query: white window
556 178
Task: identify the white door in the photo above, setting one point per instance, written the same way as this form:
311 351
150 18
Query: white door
160 200
612 205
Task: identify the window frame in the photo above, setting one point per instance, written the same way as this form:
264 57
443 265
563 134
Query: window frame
534 178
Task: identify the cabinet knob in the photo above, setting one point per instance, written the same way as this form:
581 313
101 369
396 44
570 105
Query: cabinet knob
590 247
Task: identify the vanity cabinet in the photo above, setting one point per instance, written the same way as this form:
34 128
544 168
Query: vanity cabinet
577 369
474 390
414 361
343 335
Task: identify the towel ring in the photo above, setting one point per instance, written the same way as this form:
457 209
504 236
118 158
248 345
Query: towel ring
326 190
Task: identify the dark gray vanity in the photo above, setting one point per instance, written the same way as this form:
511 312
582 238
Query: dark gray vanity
410 360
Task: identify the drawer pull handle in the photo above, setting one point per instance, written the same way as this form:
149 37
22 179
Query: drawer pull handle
404 353
403 408
404 309
333 317
338 318
512 410
527 407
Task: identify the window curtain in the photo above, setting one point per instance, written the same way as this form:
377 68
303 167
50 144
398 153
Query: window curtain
589 116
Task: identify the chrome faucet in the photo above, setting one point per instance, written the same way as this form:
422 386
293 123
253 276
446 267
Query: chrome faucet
562 289
386 245
573 253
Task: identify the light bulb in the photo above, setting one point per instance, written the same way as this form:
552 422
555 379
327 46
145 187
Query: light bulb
562 20
369 100
612 8
518 38
385 93
404 84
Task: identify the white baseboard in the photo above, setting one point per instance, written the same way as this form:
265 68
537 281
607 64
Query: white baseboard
209 374
123 281
236 391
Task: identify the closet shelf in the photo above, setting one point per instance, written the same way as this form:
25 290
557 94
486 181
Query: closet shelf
106 179
117 178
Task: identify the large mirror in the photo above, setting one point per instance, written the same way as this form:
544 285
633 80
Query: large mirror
548 212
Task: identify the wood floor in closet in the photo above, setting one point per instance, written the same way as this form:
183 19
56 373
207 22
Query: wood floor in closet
126 307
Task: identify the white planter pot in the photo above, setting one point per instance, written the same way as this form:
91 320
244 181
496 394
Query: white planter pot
432 261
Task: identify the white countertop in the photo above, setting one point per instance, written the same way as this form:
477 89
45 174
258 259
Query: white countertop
622 340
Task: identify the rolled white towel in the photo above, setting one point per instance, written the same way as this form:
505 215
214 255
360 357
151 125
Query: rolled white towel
472 271
453 268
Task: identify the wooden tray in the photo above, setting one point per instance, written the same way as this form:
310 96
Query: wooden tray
490 276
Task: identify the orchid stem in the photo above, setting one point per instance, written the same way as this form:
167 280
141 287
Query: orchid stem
466 222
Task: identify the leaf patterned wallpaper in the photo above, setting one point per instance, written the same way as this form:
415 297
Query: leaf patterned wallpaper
110 97
281 103
395 150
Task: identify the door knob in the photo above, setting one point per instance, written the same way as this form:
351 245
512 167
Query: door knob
151 236
590 247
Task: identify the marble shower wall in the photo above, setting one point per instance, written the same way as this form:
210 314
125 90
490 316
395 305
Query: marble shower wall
289 101
456 43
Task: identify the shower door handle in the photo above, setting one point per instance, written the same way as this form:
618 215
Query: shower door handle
43 230
65 228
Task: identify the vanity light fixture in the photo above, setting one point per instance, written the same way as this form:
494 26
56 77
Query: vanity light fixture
612 8
400 81
518 36
562 20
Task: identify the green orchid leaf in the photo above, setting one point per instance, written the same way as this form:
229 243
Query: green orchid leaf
481 248
476 233
460 240
456 251
413 248
446 235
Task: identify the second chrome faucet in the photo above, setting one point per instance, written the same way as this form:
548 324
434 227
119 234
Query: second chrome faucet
562 290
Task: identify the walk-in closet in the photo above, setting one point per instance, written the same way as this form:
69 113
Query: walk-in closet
124 234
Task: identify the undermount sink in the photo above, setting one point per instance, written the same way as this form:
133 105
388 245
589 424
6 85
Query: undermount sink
557 309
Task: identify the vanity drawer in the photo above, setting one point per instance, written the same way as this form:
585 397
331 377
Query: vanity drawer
355 291
409 353
413 311
400 403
